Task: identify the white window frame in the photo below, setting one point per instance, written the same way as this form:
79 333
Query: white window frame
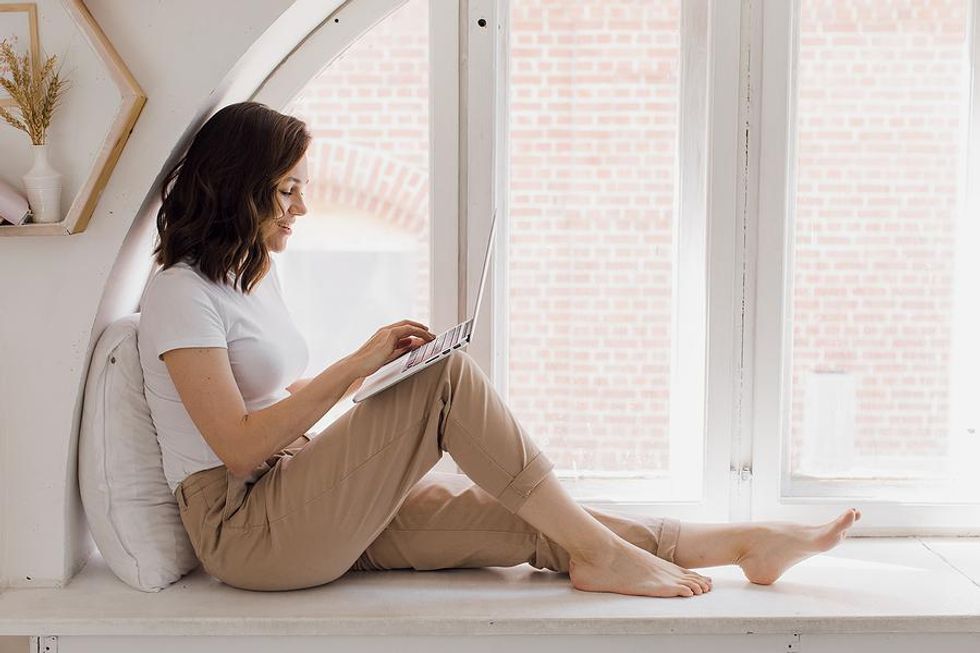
329 40
734 133
468 132
706 195
446 271
774 123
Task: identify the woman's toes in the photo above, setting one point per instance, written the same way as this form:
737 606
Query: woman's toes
703 584
831 533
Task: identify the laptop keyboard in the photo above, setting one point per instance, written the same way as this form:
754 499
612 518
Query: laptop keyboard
443 343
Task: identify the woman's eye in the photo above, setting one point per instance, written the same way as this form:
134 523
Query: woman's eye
285 193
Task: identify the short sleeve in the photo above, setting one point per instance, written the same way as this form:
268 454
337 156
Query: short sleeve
178 312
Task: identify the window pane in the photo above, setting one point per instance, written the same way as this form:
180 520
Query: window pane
360 258
593 129
880 129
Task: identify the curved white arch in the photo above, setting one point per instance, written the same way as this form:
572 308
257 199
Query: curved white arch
45 540
320 48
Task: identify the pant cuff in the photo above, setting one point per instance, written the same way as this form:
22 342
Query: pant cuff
520 488
670 529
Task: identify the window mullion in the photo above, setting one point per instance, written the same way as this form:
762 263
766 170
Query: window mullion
444 177
778 35
480 113
964 377
720 256
688 340
746 224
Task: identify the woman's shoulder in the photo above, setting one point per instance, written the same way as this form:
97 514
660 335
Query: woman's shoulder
184 269
186 278
177 274
178 281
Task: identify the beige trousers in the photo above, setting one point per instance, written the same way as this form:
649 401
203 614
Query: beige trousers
361 495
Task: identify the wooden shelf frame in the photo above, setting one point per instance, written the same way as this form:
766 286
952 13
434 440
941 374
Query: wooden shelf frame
131 103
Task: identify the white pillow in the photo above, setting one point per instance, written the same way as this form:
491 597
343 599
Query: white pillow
133 516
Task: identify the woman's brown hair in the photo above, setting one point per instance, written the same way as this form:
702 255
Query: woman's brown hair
224 192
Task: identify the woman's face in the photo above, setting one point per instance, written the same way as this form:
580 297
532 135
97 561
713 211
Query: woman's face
289 194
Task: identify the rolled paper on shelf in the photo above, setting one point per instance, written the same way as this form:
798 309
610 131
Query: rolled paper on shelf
13 205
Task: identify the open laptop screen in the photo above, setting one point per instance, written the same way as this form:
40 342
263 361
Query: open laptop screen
486 266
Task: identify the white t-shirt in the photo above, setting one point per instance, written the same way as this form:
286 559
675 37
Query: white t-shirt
183 308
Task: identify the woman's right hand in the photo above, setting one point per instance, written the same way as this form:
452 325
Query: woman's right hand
388 343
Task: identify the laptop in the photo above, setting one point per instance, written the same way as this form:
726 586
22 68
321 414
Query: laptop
436 349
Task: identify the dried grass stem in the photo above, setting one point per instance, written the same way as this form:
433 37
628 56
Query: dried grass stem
36 90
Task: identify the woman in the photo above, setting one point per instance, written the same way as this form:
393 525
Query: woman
268 508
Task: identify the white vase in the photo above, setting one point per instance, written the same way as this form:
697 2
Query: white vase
43 186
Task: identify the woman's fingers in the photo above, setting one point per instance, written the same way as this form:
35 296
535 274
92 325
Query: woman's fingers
403 322
409 341
410 329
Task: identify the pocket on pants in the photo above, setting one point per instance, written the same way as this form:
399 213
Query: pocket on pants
192 517
236 493
241 509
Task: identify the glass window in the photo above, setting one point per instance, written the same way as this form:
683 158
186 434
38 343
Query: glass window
593 139
360 258
881 130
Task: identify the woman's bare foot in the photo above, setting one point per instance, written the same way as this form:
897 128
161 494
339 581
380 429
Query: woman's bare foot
774 547
624 568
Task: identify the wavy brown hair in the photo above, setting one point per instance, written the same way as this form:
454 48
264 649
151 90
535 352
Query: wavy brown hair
224 192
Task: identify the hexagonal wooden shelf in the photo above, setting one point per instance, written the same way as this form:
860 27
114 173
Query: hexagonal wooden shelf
131 104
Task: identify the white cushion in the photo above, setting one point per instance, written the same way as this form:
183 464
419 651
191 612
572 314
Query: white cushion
133 516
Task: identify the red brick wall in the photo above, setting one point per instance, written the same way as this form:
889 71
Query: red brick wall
369 115
880 91
593 140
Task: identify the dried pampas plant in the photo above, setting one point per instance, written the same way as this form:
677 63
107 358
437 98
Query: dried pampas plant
35 91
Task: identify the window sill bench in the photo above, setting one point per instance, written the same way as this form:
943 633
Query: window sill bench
913 585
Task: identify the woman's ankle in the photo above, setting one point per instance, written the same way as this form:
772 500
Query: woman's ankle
555 513
597 550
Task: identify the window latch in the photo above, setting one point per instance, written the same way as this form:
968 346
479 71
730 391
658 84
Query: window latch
744 474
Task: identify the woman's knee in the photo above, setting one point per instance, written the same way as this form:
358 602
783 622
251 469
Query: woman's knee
460 359
457 366
456 356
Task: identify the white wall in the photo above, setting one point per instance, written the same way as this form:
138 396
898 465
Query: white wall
58 293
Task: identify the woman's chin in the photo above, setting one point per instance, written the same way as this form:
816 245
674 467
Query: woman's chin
277 244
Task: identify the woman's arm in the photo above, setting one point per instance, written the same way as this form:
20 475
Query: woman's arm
296 385
353 387
242 439
299 383
302 440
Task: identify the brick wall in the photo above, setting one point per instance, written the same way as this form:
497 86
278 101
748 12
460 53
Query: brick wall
879 135
369 115
593 140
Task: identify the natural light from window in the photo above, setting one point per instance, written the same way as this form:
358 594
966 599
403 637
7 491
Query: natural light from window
881 129
360 258
593 141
